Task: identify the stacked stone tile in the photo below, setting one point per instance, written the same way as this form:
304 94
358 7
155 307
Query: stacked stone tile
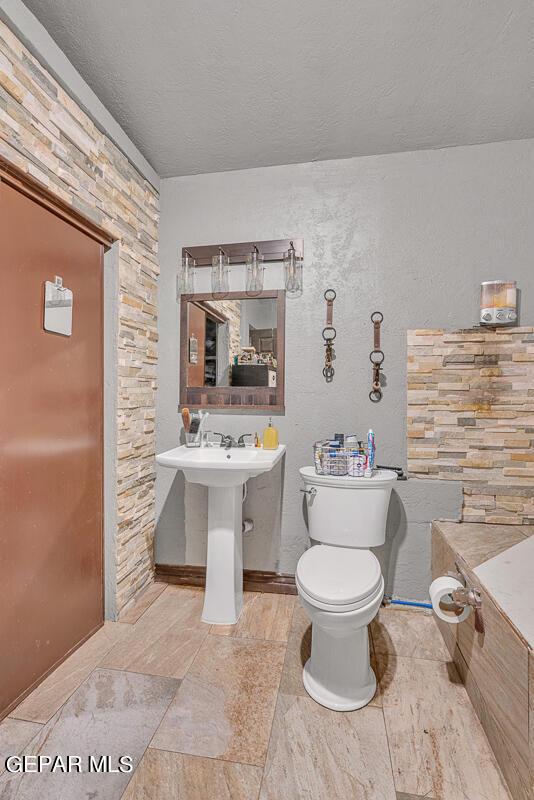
471 417
232 310
45 133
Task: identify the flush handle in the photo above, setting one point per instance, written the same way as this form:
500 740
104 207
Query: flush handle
311 492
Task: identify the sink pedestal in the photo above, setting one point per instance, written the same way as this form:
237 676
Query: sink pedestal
223 599
224 472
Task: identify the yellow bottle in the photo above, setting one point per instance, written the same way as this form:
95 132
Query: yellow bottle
270 437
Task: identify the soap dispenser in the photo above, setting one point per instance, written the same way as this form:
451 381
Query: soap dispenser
270 437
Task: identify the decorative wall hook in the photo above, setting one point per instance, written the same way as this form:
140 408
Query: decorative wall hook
376 357
329 334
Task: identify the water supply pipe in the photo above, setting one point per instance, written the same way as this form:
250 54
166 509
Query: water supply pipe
412 603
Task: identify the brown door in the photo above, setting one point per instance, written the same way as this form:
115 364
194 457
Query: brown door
197 329
51 592
263 339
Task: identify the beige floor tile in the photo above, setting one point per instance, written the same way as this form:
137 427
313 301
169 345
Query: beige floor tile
230 630
265 616
297 653
316 754
166 638
50 695
408 633
437 745
111 714
163 775
142 602
379 666
15 734
225 704
404 796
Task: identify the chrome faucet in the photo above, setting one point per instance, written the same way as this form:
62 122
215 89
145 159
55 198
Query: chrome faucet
228 441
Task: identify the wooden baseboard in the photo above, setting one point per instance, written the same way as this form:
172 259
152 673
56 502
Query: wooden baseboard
254 580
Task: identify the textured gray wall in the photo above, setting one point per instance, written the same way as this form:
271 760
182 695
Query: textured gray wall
411 234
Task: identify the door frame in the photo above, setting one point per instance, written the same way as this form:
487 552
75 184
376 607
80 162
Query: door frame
30 187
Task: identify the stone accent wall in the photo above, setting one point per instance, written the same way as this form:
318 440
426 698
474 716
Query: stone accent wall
45 133
471 417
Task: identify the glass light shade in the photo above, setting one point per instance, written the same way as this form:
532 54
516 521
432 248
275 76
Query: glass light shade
186 279
255 273
293 272
220 276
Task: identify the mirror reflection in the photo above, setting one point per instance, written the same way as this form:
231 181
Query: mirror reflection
232 342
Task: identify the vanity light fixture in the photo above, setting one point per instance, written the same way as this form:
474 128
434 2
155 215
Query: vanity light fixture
255 272
220 275
293 271
256 257
186 279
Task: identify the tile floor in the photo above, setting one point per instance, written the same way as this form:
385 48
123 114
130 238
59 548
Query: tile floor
220 713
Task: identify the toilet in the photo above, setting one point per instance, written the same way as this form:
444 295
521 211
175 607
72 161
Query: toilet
340 583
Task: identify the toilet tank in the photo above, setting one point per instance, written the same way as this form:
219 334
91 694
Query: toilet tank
345 511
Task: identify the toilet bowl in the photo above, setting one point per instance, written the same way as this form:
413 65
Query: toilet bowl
340 584
341 590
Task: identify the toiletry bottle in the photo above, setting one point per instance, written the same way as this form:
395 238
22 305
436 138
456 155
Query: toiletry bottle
257 442
371 450
270 437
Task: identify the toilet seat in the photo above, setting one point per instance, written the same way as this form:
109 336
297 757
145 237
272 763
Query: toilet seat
338 578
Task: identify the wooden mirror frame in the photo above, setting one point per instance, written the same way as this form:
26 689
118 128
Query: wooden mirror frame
234 398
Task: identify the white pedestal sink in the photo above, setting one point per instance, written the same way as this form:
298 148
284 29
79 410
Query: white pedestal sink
224 472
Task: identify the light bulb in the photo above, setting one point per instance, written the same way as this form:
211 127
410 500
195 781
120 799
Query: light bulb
220 275
186 280
293 272
255 273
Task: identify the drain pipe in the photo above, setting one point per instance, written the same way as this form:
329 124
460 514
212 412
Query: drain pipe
247 526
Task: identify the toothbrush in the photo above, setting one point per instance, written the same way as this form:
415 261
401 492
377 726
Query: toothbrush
186 419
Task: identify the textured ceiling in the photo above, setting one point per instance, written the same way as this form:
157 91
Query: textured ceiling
213 85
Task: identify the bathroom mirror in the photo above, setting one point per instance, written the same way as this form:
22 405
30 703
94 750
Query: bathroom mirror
232 351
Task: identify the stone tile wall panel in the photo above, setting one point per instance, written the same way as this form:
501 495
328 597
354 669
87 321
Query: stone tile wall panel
45 133
471 417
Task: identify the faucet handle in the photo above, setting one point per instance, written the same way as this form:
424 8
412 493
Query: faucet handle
222 435
241 440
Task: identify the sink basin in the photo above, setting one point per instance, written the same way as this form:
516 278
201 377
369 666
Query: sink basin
215 466
224 472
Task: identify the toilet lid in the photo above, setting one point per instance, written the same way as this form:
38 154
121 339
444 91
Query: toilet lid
338 575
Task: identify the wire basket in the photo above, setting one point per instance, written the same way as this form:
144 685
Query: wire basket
332 460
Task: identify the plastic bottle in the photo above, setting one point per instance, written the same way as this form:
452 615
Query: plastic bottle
371 450
270 437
